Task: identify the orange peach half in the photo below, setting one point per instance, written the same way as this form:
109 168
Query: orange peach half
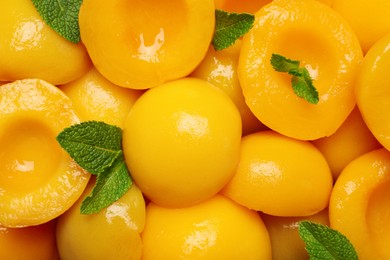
318 37
141 44
372 92
38 179
359 204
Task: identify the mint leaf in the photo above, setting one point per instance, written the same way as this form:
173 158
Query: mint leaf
303 86
324 243
61 16
109 187
282 64
229 27
301 81
97 147
93 145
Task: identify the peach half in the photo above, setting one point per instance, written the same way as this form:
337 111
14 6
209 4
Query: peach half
141 44
324 43
359 204
38 179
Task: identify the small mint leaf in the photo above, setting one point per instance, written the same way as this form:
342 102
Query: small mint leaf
324 243
93 145
229 27
301 81
303 86
109 187
282 64
296 72
61 16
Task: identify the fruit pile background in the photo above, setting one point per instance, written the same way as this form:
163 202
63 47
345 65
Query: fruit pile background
165 129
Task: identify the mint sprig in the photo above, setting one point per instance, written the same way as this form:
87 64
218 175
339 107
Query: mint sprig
97 147
93 145
301 81
229 27
110 186
61 16
324 243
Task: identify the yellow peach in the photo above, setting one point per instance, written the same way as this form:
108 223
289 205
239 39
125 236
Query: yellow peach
29 48
324 43
38 179
220 69
285 240
372 94
142 44
113 233
369 19
181 142
96 98
359 204
280 176
33 243
216 228
350 141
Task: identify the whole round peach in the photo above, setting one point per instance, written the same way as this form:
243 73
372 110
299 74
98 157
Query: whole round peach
96 98
216 228
181 142
280 176
112 233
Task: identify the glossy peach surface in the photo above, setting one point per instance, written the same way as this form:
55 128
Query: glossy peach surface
225 158
214 229
38 181
34 242
134 51
359 204
280 176
325 44
220 69
368 19
113 233
351 140
36 51
372 94
96 98
181 142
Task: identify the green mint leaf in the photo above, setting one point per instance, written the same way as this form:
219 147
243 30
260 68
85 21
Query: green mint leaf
282 64
301 81
109 187
324 243
61 16
229 27
303 86
93 145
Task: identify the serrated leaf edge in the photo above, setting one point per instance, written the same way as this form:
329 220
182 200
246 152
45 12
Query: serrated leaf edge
86 207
